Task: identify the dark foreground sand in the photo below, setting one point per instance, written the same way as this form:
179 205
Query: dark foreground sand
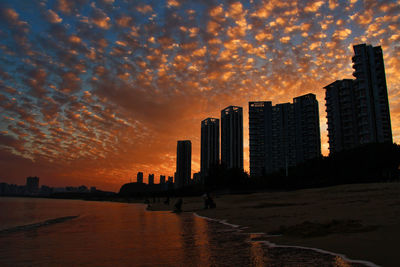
361 221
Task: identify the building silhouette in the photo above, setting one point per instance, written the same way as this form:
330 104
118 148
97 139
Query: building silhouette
183 163
162 179
358 110
308 136
232 137
209 144
139 177
151 179
260 134
170 179
341 115
32 184
283 135
197 178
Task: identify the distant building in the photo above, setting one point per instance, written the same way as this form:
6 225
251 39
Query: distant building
358 110
170 179
151 179
32 184
45 190
183 163
139 177
197 177
162 179
232 137
283 135
209 144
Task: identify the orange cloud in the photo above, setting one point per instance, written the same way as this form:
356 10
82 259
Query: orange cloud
53 17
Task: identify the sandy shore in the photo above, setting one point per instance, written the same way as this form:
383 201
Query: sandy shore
361 221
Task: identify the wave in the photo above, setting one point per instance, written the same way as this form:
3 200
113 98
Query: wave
273 245
33 226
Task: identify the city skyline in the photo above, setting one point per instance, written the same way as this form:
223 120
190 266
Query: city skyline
94 92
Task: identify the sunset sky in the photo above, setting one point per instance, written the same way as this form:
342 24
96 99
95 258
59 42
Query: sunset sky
91 92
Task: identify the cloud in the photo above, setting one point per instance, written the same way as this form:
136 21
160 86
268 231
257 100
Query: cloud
173 3
314 6
100 19
53 17
144 9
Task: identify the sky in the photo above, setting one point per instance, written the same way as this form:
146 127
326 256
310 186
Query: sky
92 92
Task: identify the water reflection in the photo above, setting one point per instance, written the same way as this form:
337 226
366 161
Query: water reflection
340 262
256 252
118 234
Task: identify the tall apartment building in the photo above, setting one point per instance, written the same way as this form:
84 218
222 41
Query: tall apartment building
260 136
358 110
162 179
341 114
139 177
183 163
283 135
209 144
232 137
151 179
308 136
283 132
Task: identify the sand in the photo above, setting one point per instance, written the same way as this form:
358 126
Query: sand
361 221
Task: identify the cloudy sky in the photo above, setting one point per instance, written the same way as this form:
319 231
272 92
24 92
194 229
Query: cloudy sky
91 92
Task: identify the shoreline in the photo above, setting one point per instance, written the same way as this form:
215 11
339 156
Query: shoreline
273 245
357 222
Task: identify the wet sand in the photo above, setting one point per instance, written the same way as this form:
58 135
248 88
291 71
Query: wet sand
361 221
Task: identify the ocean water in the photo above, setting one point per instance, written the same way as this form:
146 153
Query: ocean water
48 232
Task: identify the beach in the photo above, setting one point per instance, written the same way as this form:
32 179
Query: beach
360 221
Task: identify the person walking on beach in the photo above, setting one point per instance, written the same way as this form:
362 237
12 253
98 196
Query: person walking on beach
178 205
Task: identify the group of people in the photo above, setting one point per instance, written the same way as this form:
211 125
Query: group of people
208 203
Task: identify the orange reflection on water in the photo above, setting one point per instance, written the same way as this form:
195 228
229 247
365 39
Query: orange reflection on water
256 252
340 262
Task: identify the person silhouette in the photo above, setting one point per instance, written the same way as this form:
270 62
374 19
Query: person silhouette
178 205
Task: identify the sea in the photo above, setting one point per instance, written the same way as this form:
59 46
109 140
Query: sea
58 232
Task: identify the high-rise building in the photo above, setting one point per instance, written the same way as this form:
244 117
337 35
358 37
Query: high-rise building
232 137
162 179
342 115
209 144
308 136
358 110
151 179
183 163
170 179
283 135
139 177
373 105
260 121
